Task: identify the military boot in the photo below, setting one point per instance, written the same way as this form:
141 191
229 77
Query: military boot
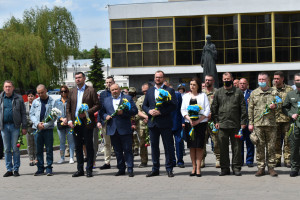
272 172
260 172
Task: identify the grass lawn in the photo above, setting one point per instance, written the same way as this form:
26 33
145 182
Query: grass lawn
55 139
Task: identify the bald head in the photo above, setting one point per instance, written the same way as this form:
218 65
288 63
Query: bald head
243 84
42 91
115 90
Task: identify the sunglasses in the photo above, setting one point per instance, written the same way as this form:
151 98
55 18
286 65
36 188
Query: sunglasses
63 92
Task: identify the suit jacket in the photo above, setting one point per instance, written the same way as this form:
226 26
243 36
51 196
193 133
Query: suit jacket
178 120
165 119
120 123
90 98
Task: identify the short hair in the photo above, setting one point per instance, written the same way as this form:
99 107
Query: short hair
263 74
209 76
110 77
279 73
245 80
159 71
297 74
64 87
198 82
227 73
145 84
9 81
41 86
31 91
77 73
181 88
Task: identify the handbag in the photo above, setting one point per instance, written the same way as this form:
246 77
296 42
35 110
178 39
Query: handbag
59 126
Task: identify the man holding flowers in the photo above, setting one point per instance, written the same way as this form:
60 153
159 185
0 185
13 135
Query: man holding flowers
159 102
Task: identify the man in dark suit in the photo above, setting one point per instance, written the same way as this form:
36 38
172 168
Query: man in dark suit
84 133
119 128
161 124
243 85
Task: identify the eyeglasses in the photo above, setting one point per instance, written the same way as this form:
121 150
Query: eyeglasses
63 92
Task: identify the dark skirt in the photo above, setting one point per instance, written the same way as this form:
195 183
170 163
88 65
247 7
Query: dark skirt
199 135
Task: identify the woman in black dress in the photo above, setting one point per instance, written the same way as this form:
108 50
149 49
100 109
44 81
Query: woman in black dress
196 145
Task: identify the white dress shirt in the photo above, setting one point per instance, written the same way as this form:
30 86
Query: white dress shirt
156 92
79 98
116 102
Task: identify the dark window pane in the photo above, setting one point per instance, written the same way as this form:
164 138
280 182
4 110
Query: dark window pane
295 54
248 19
248 31
220 59
231 44
282 42
248 43
264 43
134 47
198 45
231 32
295 17
295 29
295 42
183 57
183 33
231 56
282 18
197 57
134 35
282 54
149 34
133 23
119 60
263 18
134 59
198 33
183 22
282 30
264 54
183 45
166 46
218 44
216 32
119 48
149 22
165 22
118 24
118 35
264 30
215 20
150 58
197 21
230 20
165 34
150 46
249 55
166 58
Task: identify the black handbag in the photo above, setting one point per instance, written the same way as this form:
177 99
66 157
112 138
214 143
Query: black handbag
59 126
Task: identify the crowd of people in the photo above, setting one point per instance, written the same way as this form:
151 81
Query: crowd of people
230 115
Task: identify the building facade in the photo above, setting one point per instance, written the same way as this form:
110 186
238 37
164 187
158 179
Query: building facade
250 36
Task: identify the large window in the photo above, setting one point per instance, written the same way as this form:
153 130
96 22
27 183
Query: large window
256 38
287 37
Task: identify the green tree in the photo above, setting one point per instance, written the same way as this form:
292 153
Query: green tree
57 31
85 54
95 76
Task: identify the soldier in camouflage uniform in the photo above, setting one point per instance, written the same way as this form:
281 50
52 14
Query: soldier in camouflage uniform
134 121
282 122
142 127
264 125
210 91
291 109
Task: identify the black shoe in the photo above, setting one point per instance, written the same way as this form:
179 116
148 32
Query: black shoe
224 173
153 173
16 173
293 174
181 165
198 175
237 173
78 173
193 174
130 174
142 165
120 173
89 174
105 166
85 159
250 165
7 174
170 174
38 173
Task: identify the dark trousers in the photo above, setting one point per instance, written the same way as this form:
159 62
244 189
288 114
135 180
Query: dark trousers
1 147
123 148
84 137
167 138
179 146
223 136
44 137
294 139
249 145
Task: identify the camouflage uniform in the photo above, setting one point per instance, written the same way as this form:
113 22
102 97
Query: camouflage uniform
264 127
135 142
214 138
142 130
283 125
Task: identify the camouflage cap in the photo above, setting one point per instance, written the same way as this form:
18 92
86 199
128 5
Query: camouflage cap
132 89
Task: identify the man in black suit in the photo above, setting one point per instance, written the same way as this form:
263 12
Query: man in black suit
161 124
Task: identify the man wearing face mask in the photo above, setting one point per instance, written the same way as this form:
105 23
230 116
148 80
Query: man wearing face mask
290 108
263 124
229 114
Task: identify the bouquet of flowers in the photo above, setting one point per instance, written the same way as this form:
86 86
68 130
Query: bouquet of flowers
239 135
147 141
193 112
163 96
277 100
125 106
213 127
54 113
20 141
83 109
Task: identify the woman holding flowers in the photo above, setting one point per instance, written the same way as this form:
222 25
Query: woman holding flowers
195 109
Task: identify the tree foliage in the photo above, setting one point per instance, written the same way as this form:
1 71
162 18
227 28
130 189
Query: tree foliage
96 76
57 35
85 54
